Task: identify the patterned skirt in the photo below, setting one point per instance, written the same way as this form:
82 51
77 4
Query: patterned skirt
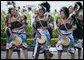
44 47
78 43
21 33
60 47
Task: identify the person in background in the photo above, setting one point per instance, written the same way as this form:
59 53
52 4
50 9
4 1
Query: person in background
24 9
11 3
18 9
29 10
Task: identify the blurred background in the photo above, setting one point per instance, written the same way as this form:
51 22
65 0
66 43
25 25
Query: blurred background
54 4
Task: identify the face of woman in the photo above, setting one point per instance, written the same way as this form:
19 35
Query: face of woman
41 13
13 12
63 14
71 9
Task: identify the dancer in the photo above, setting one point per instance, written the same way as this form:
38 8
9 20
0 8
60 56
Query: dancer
65 29
78 32
41 25
16 28
8 34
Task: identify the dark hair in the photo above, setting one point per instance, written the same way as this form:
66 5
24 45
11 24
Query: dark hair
66 11
9 10
29 8
14 4
79 4
42 8
18 7
46 5
70 6
8 3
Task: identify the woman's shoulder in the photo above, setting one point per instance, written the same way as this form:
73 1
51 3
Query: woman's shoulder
11 20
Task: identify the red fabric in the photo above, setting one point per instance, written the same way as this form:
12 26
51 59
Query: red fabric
25 10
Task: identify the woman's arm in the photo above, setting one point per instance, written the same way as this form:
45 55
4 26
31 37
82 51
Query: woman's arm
23 22
22 25
5 22
10 31
73 28
35 28
11 34
58 30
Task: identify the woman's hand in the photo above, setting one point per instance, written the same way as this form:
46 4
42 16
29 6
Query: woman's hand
13 37
39 36
64 37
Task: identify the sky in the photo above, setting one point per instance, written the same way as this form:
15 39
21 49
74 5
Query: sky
54 4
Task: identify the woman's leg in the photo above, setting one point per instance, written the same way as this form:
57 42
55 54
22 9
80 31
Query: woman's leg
59 54
51 55
18 53
79 53
72 56
7 54
10 52
37 54
67 50
47 54
25 53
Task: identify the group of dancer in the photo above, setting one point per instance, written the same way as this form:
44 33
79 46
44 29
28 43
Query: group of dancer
70 25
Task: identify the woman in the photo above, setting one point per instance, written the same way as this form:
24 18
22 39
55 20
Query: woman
16 26
78 32
65 32
8 34
71 9
41 25
50 18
